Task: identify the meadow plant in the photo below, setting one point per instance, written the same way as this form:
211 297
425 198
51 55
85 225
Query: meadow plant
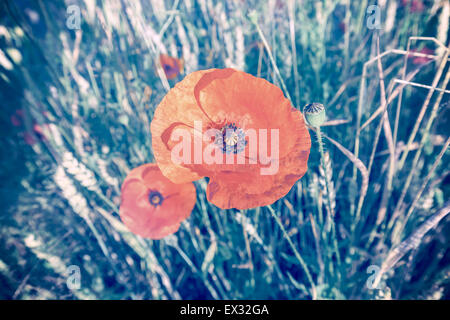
80 81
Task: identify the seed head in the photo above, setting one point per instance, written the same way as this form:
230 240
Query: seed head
314 114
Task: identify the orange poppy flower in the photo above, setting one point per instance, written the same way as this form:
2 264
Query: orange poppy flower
151 205
172 66
224 107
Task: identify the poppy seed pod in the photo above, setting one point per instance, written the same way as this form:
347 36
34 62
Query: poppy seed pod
315 114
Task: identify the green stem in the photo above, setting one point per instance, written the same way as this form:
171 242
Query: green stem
294 249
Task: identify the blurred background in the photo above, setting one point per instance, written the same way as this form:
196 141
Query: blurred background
79 82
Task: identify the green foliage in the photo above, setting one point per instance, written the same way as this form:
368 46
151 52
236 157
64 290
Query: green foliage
93 92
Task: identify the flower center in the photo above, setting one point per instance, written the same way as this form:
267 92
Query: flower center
230 139
155 198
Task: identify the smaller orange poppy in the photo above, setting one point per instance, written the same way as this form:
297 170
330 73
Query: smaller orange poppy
151 205
172 66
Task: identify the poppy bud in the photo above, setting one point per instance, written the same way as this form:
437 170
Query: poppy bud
315 114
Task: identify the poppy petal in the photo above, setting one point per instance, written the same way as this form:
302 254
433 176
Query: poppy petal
179 104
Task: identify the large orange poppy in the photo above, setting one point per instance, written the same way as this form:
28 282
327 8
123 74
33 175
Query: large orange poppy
234 102
151 205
